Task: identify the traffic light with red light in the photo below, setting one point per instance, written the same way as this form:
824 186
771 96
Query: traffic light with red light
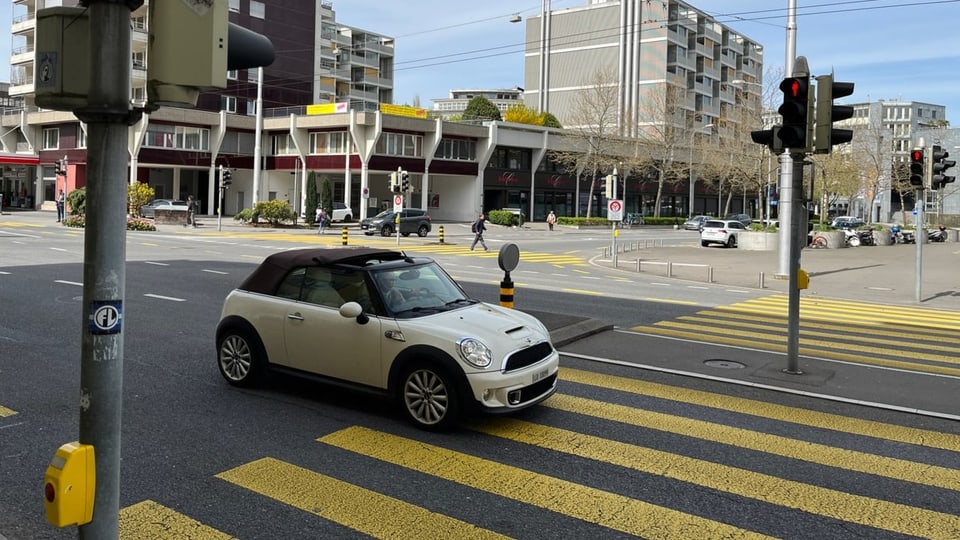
828 113
940 163
916 167
797 112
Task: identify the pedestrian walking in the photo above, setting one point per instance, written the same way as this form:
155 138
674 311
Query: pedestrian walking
191 211
478 227
61 208
322 219
551 219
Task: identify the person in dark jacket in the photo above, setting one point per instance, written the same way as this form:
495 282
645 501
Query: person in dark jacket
478 228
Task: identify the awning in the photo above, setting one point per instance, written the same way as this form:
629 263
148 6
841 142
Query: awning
18 159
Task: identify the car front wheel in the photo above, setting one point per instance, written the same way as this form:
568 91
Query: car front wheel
429 397
422 231
240 357
732 242
386 230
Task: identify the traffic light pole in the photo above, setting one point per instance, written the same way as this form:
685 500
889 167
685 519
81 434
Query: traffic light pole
108 117
793 205
920 238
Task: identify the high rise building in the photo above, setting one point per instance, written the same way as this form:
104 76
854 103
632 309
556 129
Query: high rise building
671 63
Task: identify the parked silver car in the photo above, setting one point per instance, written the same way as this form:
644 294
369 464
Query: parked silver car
149 210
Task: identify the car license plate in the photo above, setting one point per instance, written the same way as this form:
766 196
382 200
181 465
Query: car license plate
542 374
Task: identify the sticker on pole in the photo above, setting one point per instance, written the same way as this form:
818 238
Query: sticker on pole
105 317
615 210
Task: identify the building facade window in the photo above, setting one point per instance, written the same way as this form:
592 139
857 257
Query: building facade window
251 107
228 103
282 145
329 142
457 149
258 9
235 5
400 144
51 138
177 137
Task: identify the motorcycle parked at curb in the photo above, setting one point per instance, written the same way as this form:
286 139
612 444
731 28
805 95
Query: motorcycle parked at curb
899 236
939 235
854 238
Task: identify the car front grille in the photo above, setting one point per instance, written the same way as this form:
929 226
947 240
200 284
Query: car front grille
528 357
534 391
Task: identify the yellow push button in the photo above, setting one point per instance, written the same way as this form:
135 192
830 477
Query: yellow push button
69 485
803 279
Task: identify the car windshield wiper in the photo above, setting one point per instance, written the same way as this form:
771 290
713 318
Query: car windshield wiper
460 301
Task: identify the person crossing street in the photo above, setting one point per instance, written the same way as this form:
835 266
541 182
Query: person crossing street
478 227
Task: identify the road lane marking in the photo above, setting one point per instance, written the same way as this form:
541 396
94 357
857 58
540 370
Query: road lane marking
589 504
899 469
160 297
5 412
148 520
215 272
817 500
770 411
582 291
68 282
360 509
156 263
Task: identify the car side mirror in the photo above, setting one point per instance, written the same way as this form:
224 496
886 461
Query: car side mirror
353 310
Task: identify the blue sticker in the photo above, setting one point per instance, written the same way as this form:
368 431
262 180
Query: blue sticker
105 317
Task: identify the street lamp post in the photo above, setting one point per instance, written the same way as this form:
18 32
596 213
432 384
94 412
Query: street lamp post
693 178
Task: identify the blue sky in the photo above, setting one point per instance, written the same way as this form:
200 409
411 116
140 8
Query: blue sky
891 49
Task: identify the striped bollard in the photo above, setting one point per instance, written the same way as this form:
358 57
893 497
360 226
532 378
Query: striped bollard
441 234
343 236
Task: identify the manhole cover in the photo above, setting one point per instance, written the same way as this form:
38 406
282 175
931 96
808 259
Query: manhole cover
725 364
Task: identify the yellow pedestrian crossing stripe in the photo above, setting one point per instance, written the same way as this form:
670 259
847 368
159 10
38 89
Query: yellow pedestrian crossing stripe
897 337
360 509
738 425
589 504
4 412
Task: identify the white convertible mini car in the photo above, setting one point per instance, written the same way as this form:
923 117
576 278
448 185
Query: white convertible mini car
378 319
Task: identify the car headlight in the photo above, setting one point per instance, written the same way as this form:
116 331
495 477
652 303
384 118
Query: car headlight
474 352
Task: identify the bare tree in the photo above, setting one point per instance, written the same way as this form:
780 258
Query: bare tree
592 125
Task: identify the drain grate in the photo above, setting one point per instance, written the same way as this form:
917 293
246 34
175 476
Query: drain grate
724 364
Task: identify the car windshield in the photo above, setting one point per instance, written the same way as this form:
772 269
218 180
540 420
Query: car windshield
713 225
383 214
421 290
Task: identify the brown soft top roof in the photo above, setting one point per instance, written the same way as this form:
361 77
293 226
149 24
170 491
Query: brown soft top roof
274 268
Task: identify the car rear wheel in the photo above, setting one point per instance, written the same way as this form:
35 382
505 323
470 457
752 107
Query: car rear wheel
386 230
240 357
429 397
704 243
423 230
732 242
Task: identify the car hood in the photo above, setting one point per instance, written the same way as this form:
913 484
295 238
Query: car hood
502 330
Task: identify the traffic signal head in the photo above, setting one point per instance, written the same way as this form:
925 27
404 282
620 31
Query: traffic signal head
59 167
916 167
828 113
394 183
610 179
797 112
769 137
404 181
227 178
940 163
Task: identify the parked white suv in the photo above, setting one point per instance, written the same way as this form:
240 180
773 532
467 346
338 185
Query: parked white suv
341 212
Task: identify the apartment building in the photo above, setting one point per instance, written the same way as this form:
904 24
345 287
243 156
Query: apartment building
178 150
456 103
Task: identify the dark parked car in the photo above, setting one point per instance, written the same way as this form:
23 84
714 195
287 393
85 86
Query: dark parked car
412 220
380 320
149 210
742 218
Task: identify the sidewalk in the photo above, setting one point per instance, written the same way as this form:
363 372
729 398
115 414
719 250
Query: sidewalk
879 274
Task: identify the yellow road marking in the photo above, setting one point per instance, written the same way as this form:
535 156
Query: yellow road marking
832 503
4 412
899 469
588 504
582 291
355 507
149 520
671 301
698 335
762 409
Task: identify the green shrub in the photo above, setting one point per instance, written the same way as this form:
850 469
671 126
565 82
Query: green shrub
582 221
503 217
140 224
75 220
275 211
246 215
77 201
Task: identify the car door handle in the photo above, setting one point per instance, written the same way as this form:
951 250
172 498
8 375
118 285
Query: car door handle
295 316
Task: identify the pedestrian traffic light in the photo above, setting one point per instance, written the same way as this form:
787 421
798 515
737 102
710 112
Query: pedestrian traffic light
394 183
916 167
190 48
59 169
226 178
608 186
404 181
797 113
769 137
940 163
828 113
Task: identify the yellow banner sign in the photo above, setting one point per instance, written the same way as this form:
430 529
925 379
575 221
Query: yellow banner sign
327 108
403 110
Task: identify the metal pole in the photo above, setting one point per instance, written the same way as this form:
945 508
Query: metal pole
920 237
257 144
693 179
220 201
108 117
613 224
793 299
786 170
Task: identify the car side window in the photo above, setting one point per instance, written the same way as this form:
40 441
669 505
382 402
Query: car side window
351 287
318 288
290 286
